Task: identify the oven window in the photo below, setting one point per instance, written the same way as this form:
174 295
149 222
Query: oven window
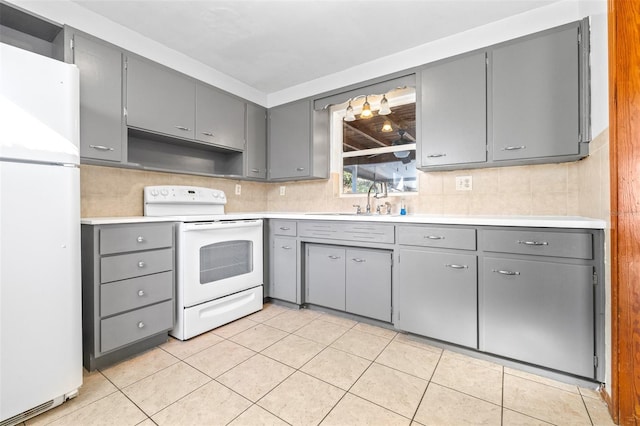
225 260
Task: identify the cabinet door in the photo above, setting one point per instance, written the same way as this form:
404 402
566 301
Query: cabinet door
454 112
101 118
534 90
256 151
290 140
284 267
368 283
538 312
219 118
159 99
438 295
326 276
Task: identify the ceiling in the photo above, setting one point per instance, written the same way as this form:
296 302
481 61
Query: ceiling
274 45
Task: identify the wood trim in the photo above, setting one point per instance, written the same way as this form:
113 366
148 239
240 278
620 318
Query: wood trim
624 118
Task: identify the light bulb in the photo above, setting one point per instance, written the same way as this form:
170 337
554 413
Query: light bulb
386 127
366 109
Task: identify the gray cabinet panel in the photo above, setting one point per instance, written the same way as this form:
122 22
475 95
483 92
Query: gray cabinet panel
101 118
454 108
366 232
136 325
535 97
438 295
159 99
557 244
368 283
219 118
326 276
290 140
283 227
256 151
429 236
538 312
125 266
135 293
284 284
134 238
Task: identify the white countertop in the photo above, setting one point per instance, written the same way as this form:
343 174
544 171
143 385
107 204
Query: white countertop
575 222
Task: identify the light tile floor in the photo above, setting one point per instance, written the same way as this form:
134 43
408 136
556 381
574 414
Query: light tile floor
282 366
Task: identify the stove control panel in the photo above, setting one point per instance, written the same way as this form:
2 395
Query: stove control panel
183 195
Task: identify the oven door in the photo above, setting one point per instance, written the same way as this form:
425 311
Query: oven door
216 259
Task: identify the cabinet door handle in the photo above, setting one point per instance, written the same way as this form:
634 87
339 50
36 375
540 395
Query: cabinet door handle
101 147
436 155
207 133
434 237
140 293
141 264
332 257
533 243
359 260
140 324
286 247
186 129
140 239
285 228
514 148
299 169
255 170
454 266
504 272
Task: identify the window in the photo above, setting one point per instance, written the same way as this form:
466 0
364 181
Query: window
380 148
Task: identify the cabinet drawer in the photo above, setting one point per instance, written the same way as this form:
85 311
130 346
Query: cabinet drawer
134 238
367 232
557 244
427 236
132 326
131 265
283 227
318 229
135 293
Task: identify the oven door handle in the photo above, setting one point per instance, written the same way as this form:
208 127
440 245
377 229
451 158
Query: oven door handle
205 226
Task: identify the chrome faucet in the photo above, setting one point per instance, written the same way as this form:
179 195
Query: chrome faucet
377 194
373 186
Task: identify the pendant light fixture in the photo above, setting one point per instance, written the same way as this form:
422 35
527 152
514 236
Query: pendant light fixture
386 127
349 116
366 109
384 106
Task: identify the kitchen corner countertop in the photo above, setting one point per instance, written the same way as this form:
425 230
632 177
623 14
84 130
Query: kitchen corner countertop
576 222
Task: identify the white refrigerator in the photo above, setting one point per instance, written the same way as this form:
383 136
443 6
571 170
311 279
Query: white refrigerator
40 288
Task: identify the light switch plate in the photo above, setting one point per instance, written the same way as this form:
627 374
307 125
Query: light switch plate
464 183
238 189
283 190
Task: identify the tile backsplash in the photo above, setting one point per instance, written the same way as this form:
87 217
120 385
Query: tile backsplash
566 189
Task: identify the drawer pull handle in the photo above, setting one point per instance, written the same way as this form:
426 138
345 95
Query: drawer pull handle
255 170
186 129
359 260
286 247
284 228
140 293
101 147
503 272
434 237
454 266
141 264
140 239
514 148
533 243
332 257
207 133
436 155
299 169
140 324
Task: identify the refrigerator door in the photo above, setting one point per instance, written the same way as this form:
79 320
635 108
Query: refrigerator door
39 108
40 290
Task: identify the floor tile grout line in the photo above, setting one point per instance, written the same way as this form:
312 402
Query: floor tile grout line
502 398
413 418
587 409
127 396
176 401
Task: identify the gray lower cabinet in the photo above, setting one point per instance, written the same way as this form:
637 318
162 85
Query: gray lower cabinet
349 279
256 150
454 112
219 118
127 290
101 107
284 269
437 295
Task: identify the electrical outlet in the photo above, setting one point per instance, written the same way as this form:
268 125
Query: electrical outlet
238 189
464 183
283 190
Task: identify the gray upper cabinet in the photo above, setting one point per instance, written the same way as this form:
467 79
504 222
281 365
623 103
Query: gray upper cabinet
535 96
159 99
256 150
290 140
219 118
101 113
454 108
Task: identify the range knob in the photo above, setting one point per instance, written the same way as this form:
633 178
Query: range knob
164 192
154 192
